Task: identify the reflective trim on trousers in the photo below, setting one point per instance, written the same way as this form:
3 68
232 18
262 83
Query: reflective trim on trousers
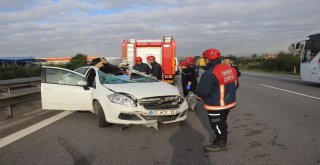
210 107
218 129
214 114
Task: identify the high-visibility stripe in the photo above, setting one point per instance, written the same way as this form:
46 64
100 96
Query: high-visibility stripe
209 107
214 114
222 89
218 129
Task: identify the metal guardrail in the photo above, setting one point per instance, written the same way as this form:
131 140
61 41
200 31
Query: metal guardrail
8 85
8 100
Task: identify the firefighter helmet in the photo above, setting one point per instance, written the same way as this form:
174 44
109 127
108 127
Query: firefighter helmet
151 57
190 60
138 59
211 54
184 63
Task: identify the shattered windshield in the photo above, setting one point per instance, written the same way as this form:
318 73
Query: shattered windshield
132 77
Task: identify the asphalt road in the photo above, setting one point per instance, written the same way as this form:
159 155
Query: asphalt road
276 121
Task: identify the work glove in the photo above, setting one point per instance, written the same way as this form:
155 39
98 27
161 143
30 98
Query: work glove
188 87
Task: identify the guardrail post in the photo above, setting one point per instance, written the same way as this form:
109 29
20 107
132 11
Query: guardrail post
9 112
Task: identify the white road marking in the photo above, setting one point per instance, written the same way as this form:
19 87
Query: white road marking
4 125
287 78
22 133
301 94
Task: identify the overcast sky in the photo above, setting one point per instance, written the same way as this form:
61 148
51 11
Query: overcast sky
59 28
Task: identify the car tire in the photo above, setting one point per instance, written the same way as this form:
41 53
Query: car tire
101 116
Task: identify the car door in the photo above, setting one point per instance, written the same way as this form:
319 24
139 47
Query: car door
63 89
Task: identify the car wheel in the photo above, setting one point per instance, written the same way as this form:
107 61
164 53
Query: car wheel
101 117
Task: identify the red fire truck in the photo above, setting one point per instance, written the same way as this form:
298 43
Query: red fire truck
163 49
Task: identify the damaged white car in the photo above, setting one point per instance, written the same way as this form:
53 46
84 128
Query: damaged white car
116 99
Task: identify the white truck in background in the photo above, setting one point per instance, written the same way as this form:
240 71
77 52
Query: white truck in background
309 51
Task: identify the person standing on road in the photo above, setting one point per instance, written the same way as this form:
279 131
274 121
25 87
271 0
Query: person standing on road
217 88
230 63
141 67
156 69
193 65
188 77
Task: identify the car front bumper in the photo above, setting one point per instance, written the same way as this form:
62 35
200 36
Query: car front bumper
121 114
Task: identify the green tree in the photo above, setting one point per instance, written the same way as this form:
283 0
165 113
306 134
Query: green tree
13 72
286 62
254 55
232 57
196 58
77 61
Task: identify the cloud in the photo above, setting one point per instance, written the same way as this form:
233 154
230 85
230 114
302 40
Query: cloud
67 27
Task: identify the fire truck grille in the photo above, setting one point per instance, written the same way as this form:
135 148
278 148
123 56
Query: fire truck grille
163 102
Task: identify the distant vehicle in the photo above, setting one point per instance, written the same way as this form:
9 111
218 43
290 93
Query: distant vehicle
163 49
135 98
309 51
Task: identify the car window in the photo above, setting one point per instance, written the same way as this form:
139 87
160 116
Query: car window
82 70
134 77
59 76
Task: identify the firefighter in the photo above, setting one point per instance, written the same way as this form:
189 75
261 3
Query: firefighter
193 65
217 88
231 63
188 77
156 69
141 67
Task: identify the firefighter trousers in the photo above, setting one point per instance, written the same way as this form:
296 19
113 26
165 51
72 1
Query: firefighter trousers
218 122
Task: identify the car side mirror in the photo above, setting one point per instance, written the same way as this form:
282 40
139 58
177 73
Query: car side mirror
84 84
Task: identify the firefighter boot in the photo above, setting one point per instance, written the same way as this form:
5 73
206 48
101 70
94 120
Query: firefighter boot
214 140
219 145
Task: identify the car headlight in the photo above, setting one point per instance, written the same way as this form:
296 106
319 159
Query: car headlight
122 99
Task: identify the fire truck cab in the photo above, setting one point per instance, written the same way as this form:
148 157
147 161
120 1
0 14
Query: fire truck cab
163 49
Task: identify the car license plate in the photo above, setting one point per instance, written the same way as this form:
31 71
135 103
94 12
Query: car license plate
162 113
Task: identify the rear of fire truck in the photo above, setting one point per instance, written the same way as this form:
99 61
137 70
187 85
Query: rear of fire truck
163 49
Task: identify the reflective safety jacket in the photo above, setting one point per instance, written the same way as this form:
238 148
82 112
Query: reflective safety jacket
217 86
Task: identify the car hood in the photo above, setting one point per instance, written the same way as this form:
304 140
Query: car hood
141 90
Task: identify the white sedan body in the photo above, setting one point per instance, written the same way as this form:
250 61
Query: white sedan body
124 100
